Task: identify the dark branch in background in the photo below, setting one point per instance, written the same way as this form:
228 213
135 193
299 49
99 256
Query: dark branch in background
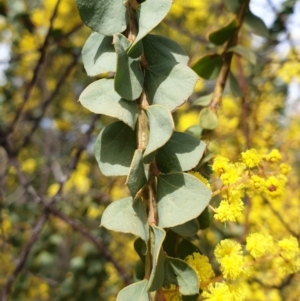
37 228
46 103
227 58
36 72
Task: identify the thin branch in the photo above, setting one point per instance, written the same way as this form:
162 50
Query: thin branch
227 58
47 102
37 228
36 72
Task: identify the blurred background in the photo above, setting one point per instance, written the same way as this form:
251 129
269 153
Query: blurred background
52 193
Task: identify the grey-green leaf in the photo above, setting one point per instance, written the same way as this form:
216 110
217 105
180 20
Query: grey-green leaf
150 14
181 198
203 101
256 25
187 229
98 55
114 149
156 278
208 119
159 50
101 98
129 78
209 66
181 153
169 84
186 276
234 86
161 127
244 52
127 216
106 17
136 178
136 291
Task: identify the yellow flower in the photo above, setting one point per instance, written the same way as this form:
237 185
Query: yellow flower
256 183
232 266
229 211
289 248
285 168
251 158
200 263
227 247
273 156
259 244
221 291
220 165
274 186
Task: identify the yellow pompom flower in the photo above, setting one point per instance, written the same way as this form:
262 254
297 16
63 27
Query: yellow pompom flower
251 158
220 165
229 211
200 263
227 247
285 168
273 156
289 248
256 183
221 291
259 244
232 266
274 186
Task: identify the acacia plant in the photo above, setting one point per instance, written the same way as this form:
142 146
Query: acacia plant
146 78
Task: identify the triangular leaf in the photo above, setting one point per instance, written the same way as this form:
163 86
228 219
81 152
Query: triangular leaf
150 14
161 127
98 55
141 247
234 86
181 198
127 217
106 17
157 274
136 291
256 25
169 84
129 78
187 280
136 178
186 248
219 37
101 98
208 119
204 219
181 153
158 50
209 66
114 149
202 101
244 52
187 229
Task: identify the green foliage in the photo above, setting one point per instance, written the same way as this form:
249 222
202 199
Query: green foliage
159 68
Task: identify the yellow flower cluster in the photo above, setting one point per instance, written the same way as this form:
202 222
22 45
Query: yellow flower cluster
200 263
249 176
221 291
229 255
259 244
251 158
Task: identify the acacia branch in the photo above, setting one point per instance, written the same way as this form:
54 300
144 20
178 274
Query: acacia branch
36 72
38 226
227 58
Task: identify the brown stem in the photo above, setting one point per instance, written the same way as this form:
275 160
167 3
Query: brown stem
227 58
